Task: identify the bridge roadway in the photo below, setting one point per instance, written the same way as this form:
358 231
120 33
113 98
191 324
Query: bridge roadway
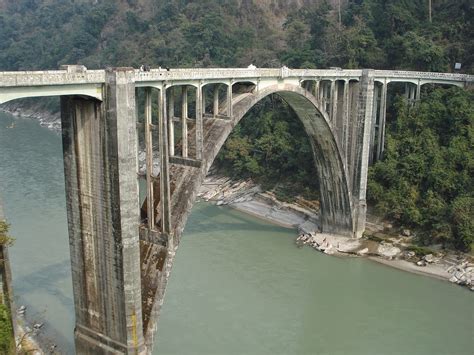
122 250
79 81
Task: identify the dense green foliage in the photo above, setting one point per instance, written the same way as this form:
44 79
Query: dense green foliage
6 338
426 179
39 34
6 334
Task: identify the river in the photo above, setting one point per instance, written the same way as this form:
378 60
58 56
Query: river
238 286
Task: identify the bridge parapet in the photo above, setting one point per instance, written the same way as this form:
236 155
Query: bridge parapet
72 77
50 77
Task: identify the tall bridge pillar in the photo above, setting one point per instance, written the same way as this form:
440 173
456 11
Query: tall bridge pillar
100 165
363 125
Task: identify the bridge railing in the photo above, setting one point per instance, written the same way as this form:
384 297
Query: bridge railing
63 77
50 77
405 74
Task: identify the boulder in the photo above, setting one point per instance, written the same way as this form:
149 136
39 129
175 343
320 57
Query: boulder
406 232
421 263
388 251
429 258
348 246
363 251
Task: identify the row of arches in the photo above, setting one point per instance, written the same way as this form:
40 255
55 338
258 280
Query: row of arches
336 98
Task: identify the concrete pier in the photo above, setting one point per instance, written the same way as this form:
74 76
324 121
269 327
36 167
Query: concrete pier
361 163
100 164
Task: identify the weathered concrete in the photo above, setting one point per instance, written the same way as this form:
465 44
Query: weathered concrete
100 161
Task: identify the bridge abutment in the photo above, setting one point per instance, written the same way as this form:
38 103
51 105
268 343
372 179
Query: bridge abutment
100 164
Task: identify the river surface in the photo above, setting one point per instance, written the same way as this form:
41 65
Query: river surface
238 286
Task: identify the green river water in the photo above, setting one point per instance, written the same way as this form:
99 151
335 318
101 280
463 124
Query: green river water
238 286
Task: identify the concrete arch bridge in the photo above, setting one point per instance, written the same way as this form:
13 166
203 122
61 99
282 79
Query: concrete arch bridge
122 250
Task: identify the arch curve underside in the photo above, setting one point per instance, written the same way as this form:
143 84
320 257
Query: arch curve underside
336 212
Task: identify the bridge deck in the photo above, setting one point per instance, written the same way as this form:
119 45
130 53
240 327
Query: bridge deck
64 77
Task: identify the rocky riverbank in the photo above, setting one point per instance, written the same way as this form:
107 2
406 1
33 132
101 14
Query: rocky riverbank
46 119
381 243
248 197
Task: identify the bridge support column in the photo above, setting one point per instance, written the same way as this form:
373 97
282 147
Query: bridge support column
345 117
215 110
170 121
149 161
412 92
333 102
316 90
229 100
100 165
382 118
184 121
374 125
199 127
164 159
361 164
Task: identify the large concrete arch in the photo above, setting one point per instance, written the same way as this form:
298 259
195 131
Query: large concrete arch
336 211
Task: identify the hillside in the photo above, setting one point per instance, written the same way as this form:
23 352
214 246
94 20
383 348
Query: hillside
38 34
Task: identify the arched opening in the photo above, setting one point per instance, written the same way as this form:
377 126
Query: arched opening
335 201
214 96
270 146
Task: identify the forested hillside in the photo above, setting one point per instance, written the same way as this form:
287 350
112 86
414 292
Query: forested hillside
426 178
38 34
